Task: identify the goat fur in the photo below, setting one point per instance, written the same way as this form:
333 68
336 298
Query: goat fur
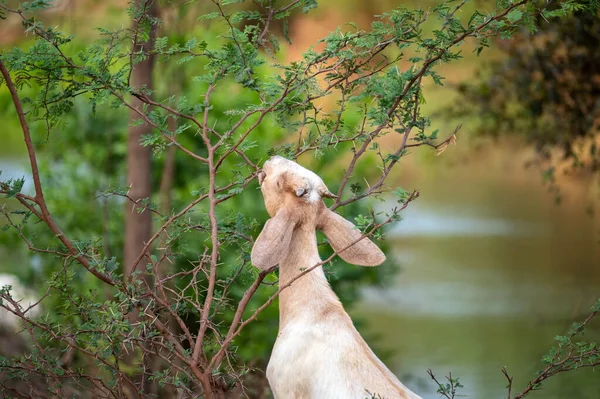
318 353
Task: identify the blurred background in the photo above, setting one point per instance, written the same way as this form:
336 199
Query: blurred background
500 253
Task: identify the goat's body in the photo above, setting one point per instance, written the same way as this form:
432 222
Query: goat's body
318 353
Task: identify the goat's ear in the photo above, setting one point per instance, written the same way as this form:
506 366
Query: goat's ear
273 241
341 234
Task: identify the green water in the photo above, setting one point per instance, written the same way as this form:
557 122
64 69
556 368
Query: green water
491 271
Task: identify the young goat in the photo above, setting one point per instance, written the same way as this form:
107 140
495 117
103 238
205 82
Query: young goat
318 353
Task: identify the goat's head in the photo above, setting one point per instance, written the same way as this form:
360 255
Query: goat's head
294 197
284 183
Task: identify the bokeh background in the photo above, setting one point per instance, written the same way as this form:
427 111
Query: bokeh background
500 253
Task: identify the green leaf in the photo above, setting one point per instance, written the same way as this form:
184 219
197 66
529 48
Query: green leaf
308 5
35 5
286 31
160 44
596 307
514 15
209 16
401 194
14 187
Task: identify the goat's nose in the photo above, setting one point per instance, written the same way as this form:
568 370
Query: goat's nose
261 176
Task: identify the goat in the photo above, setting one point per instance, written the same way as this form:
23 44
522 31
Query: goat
318 353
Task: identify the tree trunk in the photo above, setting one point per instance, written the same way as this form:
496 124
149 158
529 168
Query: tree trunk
138 224
138 221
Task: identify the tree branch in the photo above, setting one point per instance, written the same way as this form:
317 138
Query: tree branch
39 194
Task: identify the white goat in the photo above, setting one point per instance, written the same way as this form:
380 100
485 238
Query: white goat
318 353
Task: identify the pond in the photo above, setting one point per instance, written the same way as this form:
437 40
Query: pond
491 270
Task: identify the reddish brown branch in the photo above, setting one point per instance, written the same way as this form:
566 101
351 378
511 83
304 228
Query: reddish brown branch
570 362
214 257
39 194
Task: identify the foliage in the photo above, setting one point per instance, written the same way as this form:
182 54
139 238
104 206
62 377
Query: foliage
546 88
447 390
200 308
570 353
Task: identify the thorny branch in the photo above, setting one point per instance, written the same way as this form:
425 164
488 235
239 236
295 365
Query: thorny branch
435 55
562 362
39 194
448 390
181 348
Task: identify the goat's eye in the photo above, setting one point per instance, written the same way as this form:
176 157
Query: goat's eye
261 176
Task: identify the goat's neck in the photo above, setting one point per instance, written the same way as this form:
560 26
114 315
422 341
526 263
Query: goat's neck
309 296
